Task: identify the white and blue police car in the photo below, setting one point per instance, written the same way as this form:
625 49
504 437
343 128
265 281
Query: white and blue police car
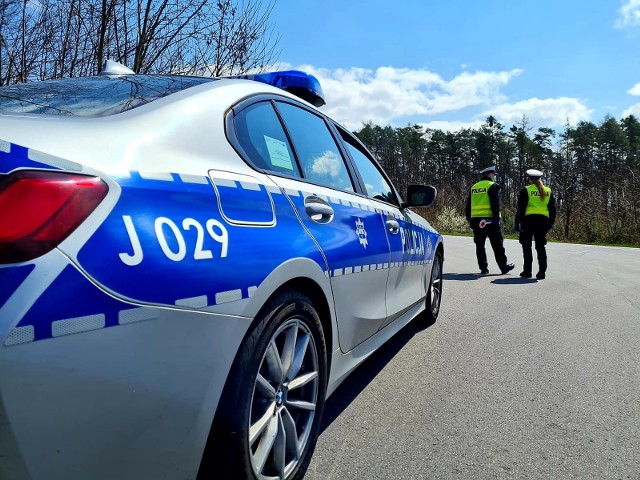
188 268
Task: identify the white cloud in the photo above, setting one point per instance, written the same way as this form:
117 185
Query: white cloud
632 110
635 90
629 14
355 95
549 112
327 164
398 96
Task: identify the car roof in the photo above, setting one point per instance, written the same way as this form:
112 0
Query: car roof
112 93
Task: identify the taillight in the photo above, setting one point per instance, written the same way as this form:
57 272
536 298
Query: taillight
39 209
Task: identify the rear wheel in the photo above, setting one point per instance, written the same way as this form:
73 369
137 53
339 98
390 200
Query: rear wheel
434 290
270 415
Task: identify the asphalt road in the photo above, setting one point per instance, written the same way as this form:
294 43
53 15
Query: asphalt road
517 378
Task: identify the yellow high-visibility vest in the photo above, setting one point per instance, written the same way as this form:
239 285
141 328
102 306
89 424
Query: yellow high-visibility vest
535 204
480 203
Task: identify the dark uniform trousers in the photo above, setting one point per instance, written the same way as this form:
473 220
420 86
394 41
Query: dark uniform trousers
494 232
534 227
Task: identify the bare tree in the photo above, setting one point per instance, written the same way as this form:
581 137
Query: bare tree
188 36
66 38
8 11
19 47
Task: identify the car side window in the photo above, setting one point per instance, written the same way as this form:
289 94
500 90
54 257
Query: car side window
319 156
374 181
262 137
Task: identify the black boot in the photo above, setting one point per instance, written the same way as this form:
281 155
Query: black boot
507 268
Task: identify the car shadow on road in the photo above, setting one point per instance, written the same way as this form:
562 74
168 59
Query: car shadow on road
368 370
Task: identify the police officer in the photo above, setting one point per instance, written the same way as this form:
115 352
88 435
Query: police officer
483 215
534 218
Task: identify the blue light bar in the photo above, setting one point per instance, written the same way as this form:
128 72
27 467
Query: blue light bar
296 82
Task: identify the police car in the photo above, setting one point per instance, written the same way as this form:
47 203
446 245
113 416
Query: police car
188 268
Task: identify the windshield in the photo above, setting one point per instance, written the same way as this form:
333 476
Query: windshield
91 96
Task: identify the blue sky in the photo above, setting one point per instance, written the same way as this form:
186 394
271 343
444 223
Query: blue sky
450 63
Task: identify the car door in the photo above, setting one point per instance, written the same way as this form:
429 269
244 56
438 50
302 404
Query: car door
406 284
304 160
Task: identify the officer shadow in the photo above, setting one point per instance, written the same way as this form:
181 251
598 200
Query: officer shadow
461 277
513 280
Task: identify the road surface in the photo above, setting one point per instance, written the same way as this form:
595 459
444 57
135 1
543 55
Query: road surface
518 378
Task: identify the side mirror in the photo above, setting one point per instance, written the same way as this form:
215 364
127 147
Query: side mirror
420 196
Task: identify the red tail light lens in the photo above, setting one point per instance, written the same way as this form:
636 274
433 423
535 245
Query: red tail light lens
38 210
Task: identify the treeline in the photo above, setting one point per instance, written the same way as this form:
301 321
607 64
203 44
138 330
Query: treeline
48 39
593 170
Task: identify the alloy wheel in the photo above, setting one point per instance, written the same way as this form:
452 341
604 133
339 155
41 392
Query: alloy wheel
283 404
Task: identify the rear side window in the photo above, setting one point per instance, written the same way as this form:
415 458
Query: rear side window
263 139
319 156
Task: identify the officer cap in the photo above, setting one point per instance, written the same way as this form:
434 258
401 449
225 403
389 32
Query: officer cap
534 174
491 169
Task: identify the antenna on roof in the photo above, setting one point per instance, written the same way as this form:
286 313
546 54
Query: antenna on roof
109 67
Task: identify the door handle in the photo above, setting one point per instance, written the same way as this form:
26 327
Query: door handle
393 225
318 210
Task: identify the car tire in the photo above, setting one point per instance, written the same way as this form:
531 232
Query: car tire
269 418
434 290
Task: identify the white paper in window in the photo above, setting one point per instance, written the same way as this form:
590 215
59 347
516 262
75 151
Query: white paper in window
278 153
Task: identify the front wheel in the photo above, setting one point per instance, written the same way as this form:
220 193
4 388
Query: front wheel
434 290
272 406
